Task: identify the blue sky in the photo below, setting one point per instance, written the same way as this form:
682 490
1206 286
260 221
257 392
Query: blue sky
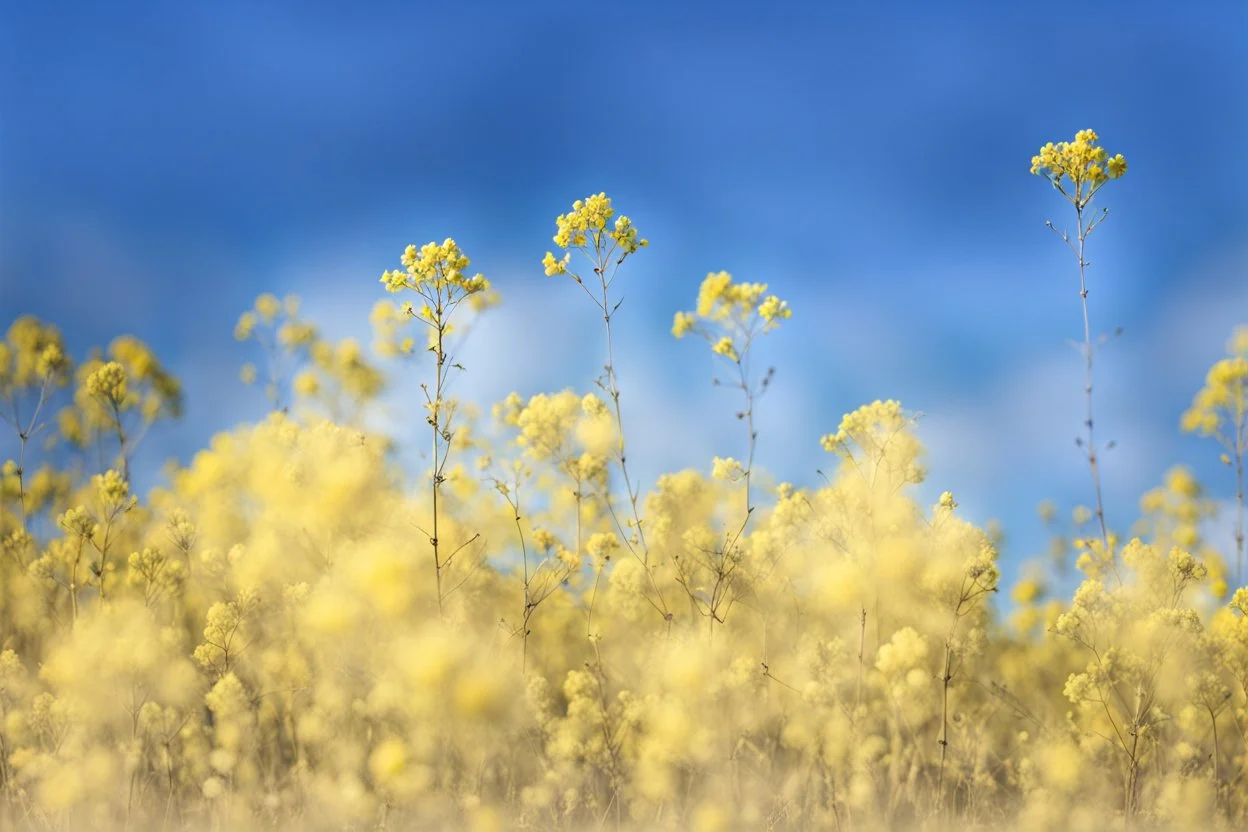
161 164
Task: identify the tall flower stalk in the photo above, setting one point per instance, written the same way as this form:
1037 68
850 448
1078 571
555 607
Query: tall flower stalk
436 272
1078 170
586 229
729 317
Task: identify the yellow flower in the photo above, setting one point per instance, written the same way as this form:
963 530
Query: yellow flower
307 384
245 326
555 266
544 539
724 347
51 360
594 406
601 546
727 469
111 488
1081 165
682 324
1220 408
268 307
388 760
730 313
436 271
715 288
1027 591
773 309
31 354
108 382
589 218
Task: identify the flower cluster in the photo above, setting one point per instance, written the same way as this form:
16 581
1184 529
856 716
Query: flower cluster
435 271
586 228
121 393
1220 408
31 354
304 366
730 315
878 431
1078 168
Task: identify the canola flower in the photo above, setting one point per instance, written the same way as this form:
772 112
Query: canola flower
259 642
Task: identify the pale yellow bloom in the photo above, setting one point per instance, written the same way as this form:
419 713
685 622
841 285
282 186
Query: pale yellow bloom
727 469
726 348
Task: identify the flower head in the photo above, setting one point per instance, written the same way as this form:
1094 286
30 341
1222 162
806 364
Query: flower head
1079 168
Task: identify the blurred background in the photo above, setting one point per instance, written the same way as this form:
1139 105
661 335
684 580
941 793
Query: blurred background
162 164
